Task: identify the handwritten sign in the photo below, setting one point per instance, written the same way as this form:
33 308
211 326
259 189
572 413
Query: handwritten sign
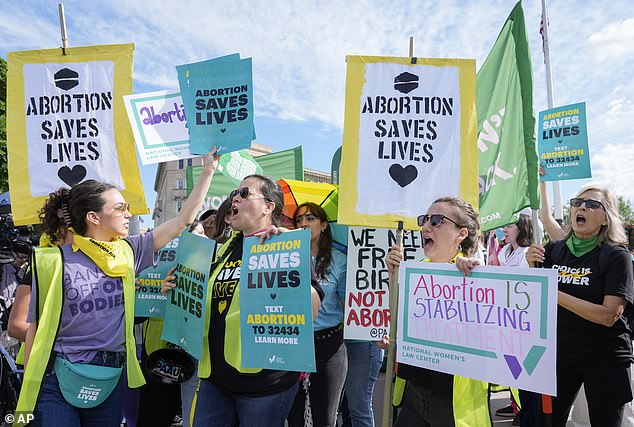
367 304
563 143
275 303
218 99
159 126
149 300
497 325
185 306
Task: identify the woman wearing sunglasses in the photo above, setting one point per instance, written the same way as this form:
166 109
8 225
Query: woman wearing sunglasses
82 306
449 231
323 388
595 285
229 394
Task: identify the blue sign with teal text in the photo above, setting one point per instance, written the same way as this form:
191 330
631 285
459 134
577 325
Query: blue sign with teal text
563 143
218 100
275 303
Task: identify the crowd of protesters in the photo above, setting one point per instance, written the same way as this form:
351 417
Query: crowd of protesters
86 239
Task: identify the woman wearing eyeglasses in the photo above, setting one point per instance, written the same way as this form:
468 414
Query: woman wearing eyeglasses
323 388
82 304
449 231
595 285
229 394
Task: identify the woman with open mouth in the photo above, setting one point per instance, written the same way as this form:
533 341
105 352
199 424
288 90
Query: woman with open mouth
594 347
450 231
229 394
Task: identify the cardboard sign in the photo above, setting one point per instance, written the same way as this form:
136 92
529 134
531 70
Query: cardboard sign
66 124
563 143
186 306
159 125
367 304
497 325
276 320
218 99
409 138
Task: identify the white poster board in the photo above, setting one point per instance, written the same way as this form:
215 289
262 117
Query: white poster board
367 304
497 325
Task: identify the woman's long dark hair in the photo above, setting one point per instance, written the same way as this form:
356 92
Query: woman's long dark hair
68 208
324 253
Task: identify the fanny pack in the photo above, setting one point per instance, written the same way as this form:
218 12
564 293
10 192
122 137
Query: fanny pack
169 366
83 385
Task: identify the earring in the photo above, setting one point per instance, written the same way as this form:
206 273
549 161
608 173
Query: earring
460 248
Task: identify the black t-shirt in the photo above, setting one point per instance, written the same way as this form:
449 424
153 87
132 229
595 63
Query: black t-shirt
224 375
579 340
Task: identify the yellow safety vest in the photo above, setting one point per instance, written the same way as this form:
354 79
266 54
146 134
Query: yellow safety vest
233 343
470 398
48 268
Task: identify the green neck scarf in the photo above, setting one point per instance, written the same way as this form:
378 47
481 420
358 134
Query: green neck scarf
580 247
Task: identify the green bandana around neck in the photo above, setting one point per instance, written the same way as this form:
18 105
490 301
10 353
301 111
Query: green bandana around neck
579 247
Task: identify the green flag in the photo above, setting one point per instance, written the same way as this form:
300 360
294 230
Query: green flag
507 155
284 164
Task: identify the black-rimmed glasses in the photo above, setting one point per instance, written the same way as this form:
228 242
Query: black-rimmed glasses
434 220
590 203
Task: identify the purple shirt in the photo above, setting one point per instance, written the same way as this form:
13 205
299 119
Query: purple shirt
93 316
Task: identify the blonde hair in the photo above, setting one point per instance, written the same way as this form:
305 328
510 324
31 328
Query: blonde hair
613 233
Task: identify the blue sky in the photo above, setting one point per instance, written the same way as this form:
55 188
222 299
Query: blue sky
299 49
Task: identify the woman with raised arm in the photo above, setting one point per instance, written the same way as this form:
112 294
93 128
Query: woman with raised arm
594 347
229 394
83 297
450 231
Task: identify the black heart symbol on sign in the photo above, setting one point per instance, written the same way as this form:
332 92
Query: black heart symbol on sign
403 176
72 176
273 295
223 130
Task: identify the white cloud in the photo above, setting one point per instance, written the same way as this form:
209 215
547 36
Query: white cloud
615 40
613 167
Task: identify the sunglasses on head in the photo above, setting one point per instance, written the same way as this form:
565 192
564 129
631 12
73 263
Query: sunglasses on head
244 193
434 220
590 203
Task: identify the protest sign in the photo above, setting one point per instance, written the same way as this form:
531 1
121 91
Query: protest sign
563 143
149 301
276 320
218 99
367 304
66 123
159 126
497 325
409 138
185 306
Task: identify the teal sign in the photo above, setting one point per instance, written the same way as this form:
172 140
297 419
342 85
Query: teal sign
563 143
218 100
276 320
185 305
149 300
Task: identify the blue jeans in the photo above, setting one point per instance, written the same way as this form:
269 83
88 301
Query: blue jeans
188 389
52 410
215 407
364 364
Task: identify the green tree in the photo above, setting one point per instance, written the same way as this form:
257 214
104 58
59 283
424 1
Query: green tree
625 209
4 173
